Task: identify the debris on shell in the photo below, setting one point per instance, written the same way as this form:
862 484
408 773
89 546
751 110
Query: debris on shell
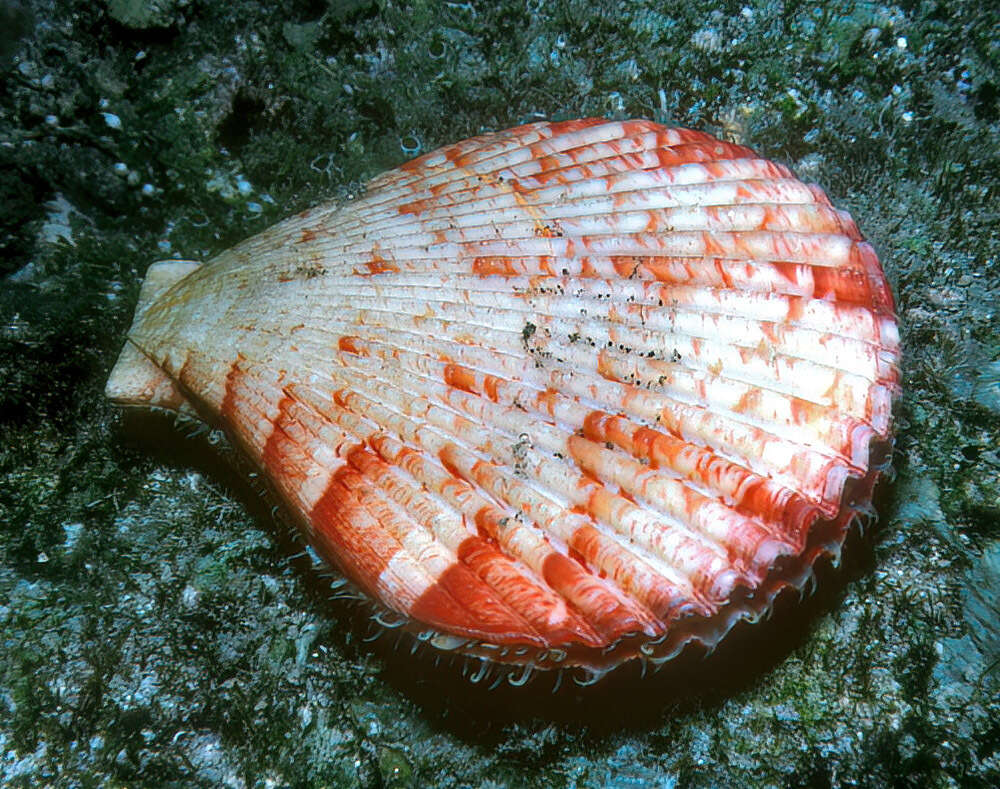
564 395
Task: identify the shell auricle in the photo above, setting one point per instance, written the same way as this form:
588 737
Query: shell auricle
570 394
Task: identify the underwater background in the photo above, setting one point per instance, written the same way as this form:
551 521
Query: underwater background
159 627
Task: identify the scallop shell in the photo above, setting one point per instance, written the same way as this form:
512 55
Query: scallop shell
564 395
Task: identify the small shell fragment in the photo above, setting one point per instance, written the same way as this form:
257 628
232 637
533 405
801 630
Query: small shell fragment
564 395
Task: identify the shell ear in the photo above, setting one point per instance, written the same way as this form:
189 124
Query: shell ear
135 380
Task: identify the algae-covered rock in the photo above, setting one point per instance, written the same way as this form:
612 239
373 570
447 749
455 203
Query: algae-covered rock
982 604
143 14
986 390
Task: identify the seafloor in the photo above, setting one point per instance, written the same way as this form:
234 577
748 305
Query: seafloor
156 627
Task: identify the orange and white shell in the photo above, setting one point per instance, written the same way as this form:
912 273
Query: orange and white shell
564 395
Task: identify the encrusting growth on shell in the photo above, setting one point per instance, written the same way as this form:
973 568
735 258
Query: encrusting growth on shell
567 394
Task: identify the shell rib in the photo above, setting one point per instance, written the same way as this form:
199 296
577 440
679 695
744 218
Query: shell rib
567 394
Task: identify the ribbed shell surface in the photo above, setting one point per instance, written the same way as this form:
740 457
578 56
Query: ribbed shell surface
567 394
